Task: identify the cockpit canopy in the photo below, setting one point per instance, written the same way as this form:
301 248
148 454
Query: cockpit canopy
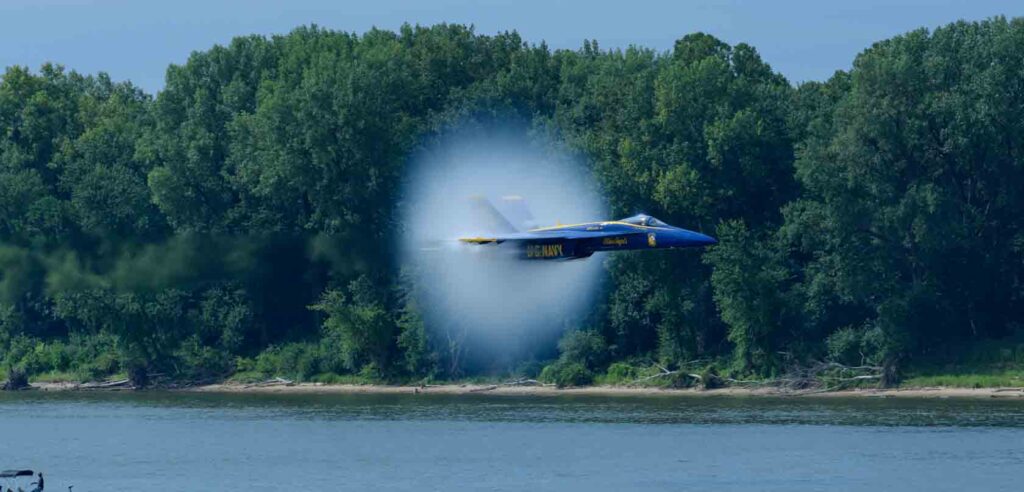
644 220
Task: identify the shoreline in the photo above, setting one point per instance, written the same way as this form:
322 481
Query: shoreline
1014 393
474 389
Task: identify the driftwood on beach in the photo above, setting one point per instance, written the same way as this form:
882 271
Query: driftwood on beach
525 382
271 382
821 376
521 382
119 383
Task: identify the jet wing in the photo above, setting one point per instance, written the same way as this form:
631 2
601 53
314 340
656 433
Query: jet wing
544 236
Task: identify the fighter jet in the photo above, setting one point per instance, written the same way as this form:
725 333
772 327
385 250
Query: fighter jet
577 241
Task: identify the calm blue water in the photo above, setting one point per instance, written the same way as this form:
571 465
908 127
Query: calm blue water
165 441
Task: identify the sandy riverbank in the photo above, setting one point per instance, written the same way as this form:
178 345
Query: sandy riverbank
479 389
455 389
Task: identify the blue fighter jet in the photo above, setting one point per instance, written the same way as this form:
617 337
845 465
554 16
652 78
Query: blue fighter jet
577 241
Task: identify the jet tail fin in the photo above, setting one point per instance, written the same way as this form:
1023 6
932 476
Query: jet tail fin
490 217
514 208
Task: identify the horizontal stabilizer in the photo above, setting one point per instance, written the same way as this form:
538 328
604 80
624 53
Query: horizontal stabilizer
478 240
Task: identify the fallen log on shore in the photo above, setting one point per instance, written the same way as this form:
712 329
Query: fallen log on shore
119 383
817 377
271 382
525 382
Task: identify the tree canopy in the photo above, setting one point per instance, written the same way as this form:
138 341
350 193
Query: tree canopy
244 218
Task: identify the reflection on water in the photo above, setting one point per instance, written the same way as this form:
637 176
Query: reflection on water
174 441
657 409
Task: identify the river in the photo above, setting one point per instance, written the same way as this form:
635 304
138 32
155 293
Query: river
187 441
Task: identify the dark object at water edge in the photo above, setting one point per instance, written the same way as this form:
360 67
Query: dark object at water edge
16 380
138 375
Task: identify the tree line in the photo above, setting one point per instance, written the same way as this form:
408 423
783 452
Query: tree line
244 219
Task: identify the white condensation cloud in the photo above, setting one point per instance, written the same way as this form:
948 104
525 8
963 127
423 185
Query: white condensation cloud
496 300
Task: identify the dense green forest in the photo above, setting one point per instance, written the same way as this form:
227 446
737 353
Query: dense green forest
243 220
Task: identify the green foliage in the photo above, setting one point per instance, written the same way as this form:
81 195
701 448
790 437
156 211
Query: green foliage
856 347
202 363
709 378
621 372
149 326
530 369
300 361
750 282
94 357
413 341
88 358
583 353
873 218
225 318
32 356
584 347
358 330
910 222
566 374
971 378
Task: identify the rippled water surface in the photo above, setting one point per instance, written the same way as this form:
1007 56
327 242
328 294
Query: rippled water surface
176 441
